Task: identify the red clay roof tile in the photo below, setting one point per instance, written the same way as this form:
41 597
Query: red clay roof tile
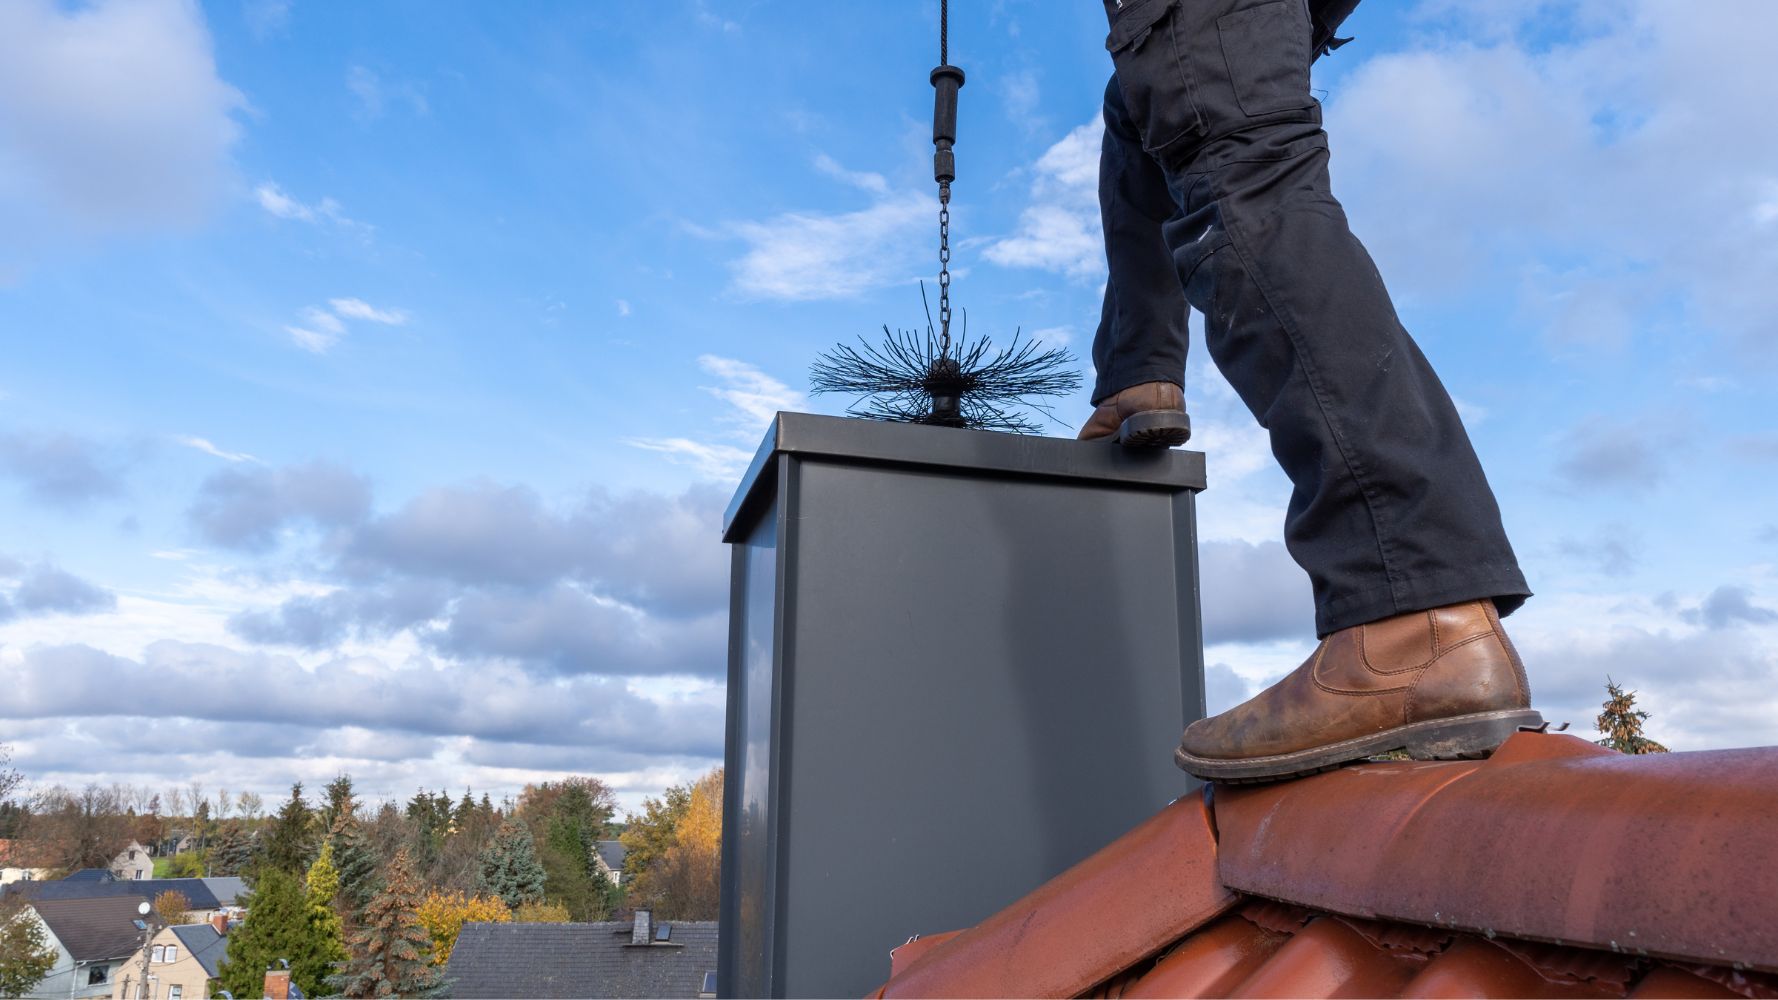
1552 839
1149 887
1376 870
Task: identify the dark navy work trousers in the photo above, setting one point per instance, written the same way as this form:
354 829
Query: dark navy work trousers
1213 186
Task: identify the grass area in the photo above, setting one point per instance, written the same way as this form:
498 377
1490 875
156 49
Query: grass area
160 867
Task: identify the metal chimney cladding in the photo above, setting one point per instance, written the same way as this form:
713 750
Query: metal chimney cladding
959 662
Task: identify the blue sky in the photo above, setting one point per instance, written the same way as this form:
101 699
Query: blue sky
374 374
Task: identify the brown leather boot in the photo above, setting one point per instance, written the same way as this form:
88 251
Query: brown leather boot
1444 684
1150 415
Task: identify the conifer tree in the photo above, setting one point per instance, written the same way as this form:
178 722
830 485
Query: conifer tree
509 866
1621 722
391 951
279 926
339 798
324 884
355 858
233 853
291 843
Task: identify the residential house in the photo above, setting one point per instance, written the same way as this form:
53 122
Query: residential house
608 856
20 862
177 842
636 958
204 897
181 960
133 862
93 938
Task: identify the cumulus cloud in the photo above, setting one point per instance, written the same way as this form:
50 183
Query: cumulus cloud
246 509
1613 550
116 119
58 469
492 702
45 589
1600 453
1059 230
1253 593
1503 141
1728 606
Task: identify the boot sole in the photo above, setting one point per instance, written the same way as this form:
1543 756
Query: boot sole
1461 737
1155 429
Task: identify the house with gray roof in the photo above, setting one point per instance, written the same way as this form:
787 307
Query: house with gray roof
181 961
609 856
637 958
203 896
93 940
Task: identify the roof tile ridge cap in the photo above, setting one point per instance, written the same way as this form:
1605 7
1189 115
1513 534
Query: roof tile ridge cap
955 966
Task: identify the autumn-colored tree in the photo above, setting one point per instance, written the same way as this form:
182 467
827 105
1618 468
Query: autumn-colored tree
648 836
1621 722
540 913
187 865
685 881
443 914
172 906
390 952
84 829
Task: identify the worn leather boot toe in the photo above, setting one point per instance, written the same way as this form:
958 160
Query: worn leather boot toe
1149 415
1443 684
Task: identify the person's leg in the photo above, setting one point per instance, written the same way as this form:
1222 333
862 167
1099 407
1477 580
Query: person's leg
1390 512
1139 349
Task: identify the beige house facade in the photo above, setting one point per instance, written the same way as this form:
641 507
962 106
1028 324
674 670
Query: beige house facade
133 862
179 962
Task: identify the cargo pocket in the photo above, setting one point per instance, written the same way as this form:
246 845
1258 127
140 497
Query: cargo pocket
1151 74
1267 50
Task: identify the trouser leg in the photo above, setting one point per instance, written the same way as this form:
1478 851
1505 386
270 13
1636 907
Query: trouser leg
1141 336
1390 511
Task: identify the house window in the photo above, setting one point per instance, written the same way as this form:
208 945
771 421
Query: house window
95 976
172 953
138 873
159 954
132 854
175 992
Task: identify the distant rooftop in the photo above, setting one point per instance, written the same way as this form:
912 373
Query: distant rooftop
581 960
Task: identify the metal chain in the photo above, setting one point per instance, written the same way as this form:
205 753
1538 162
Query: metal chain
944 277
944 205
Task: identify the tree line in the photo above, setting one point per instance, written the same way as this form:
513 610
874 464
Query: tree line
368 901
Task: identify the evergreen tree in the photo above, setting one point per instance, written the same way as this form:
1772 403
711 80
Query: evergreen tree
233 853
1621 722
279 926
290 845
391 951
464 814
356 861
339 799
509 866
324 884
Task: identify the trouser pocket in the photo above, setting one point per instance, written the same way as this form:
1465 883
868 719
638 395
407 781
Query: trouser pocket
1266 48
1151 71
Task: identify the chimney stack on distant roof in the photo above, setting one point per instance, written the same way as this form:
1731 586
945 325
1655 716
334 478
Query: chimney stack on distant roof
277 984
642 932
219 920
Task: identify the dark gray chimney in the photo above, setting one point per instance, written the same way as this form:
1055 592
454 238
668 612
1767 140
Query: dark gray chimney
642 931
959 663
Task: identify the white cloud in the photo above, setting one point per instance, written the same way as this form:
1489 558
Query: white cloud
801 256
313 341
321 329
863 180
360 309
754 398
204 445
1059 230
272 198
115 120
280 203
623 307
